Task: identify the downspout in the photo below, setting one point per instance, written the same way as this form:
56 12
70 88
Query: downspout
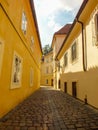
84 58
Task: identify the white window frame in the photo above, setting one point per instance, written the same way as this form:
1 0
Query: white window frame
31 76
1 54
16 84
24 22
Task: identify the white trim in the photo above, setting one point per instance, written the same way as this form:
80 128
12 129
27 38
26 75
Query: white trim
1 54
13 84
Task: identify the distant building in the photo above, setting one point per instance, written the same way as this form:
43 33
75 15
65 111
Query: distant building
57 42
20 53
78 55
47 69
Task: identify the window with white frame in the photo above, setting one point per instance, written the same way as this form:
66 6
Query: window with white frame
31 77
74 51
24 22
96 26
66 59
16 71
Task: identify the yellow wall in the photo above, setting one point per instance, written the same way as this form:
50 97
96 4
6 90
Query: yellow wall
56 44
13 40
47 76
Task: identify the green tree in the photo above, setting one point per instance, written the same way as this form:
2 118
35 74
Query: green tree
46 49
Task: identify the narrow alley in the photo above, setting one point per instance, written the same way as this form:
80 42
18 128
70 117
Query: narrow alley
49 109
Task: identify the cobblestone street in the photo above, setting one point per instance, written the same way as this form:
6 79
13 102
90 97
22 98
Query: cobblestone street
49 109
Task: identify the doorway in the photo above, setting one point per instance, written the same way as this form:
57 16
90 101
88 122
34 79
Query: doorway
74 89
65 87
59 84
51 82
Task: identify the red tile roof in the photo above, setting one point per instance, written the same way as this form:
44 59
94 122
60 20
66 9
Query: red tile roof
64 30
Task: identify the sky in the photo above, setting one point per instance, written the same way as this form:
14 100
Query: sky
53 15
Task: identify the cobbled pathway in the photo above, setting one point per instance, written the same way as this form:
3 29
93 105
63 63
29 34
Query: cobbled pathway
49 109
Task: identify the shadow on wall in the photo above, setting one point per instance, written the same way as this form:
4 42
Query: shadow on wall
86 85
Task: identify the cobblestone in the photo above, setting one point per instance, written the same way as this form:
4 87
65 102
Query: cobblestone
49 109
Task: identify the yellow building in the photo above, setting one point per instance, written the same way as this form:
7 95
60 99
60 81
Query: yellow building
47 69
78 55
57 41
19 44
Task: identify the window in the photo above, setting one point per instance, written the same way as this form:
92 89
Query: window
66 59
16 71
24 23
96 26
31 77
73 52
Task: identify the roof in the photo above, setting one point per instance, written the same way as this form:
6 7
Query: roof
35 20
64 29
75 20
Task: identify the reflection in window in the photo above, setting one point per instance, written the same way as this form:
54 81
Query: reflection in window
17 71
17 62
73 52
24 23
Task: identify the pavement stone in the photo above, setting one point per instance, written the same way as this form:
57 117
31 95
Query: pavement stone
50 109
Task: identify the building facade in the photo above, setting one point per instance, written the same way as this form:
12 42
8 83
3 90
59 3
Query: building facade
57 41
19 44
47 69
79 53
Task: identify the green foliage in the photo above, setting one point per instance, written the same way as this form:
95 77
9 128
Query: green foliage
46 49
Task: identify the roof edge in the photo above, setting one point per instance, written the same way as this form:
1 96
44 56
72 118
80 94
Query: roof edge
35 21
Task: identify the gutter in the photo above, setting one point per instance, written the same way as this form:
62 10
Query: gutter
84 57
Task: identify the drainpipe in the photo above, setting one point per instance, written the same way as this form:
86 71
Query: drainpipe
84 58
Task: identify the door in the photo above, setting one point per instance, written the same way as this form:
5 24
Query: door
59 84
74 89
51 82
65 87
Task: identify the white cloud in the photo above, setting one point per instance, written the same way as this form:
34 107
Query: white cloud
47 7
53 25
46 11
